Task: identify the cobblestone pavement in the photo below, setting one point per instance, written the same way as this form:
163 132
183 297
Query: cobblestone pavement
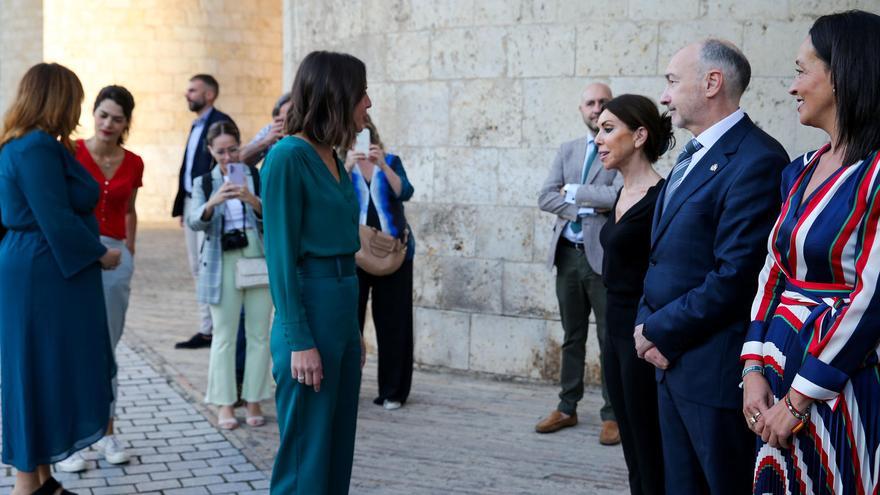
174 448
458 434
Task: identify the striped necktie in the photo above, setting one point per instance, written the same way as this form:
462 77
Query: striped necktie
592 151
681 166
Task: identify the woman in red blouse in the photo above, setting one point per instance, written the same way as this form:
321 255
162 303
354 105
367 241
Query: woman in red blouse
118 173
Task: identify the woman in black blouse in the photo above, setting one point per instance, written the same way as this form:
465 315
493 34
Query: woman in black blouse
632 136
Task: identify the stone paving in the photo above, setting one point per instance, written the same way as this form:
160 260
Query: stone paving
459 434
175 449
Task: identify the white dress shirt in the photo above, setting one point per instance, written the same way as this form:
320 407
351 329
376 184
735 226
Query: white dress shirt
710 136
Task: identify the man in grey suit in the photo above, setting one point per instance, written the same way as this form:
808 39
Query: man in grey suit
580 192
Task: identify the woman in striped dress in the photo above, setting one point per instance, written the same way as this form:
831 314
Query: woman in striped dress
811 374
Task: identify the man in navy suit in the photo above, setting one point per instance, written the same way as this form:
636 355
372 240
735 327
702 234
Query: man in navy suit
709 240
201 93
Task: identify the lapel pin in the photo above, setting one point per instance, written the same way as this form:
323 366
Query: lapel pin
714 167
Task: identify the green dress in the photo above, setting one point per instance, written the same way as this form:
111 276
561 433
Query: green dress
311 235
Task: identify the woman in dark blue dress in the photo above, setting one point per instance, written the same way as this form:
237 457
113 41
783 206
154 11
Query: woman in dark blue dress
632 136
56 362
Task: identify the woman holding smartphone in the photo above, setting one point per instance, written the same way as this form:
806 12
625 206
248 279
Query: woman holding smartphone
230 212
311 217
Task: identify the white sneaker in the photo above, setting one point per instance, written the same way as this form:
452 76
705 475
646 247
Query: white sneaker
112 450
73 464
391 405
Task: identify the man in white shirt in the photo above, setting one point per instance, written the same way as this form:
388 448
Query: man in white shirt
580 192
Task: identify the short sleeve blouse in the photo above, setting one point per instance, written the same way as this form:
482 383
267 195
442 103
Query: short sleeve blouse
116 191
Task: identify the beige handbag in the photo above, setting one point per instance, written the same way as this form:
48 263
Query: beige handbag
251 273
380 253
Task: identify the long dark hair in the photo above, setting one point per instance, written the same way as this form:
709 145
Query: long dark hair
640 111
849 43
326 90
123 98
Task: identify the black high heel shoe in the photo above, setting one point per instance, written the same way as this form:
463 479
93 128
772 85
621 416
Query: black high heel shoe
50 487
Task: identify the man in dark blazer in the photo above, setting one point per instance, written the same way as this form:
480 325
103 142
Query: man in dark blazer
709 240
201 93
579 192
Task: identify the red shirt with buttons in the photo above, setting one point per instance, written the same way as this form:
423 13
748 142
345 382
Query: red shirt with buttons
115 192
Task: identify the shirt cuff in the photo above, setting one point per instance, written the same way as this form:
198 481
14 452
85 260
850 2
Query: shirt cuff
571 192
818 380
752 350
298 336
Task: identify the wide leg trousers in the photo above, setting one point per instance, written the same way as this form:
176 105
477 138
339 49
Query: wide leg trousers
318 428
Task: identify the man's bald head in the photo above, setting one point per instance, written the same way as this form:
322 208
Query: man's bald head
593 98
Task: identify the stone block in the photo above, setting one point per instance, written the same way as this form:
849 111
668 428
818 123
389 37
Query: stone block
427 105
498 12
468 284
676 35
617 48
771 107
529 290
419 165
445 229
542 11
550 111
426 277
746 10
540 51
507 345
417 15
327 22
408 56
372 51
679 10
504 232
442 338
486 112
543 233
521 172
468 177
785 38
588 12
468 53
811 9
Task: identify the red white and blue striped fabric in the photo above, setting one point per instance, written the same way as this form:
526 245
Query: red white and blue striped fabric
816 326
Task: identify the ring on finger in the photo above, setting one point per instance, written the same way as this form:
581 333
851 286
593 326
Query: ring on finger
753 421
301 378
756 416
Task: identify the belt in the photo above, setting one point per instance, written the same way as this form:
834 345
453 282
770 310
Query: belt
574 245
330 266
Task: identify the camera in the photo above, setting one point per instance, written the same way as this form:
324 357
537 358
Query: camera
234 239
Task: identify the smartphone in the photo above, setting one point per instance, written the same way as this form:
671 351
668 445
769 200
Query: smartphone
236 174
362 144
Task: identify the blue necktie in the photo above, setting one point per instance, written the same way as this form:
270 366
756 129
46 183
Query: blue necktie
592 150
677 175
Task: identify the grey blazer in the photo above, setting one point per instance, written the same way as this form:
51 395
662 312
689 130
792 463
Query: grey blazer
210 280
598 192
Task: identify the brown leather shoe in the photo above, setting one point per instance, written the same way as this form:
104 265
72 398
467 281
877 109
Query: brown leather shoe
610 434
555 422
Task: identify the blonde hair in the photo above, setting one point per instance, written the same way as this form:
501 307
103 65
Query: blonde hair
49 98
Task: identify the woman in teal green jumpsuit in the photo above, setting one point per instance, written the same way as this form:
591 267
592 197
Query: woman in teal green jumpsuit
310 217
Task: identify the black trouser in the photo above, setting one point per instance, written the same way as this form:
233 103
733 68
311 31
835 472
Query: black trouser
632 390
392 310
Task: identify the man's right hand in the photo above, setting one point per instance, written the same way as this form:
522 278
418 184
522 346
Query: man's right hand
306 368
111 259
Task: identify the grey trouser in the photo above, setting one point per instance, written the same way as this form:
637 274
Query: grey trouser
579 290
193 245
117 289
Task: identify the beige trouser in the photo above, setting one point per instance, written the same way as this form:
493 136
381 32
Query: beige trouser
226 315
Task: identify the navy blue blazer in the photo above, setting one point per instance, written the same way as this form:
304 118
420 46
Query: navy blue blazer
706 253
202 162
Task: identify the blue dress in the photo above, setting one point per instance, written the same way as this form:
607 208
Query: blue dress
816 328
56 363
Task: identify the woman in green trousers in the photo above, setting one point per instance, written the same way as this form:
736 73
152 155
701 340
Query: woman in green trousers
310 219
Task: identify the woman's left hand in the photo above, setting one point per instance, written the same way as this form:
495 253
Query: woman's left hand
363 352
376 155
777 425
245 195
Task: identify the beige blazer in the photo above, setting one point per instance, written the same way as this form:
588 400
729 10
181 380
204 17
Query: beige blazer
599 191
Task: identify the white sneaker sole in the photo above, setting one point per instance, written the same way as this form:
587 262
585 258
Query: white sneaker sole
77 467
118 458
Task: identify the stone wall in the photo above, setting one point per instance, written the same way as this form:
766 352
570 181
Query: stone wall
153 47
475 96
21 44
